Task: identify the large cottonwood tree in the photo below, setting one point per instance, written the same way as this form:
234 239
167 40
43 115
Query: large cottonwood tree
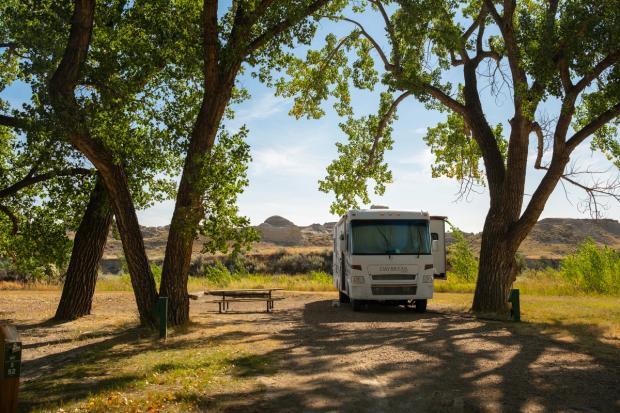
99 92
250 33
554 56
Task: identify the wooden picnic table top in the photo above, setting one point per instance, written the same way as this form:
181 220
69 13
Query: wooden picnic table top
243 290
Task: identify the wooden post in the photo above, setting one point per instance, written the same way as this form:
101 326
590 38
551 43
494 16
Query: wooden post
10 368
515 311
162 309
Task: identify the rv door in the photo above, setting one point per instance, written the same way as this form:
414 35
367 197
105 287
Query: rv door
438 235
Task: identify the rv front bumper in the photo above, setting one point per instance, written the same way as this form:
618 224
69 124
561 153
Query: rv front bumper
383 291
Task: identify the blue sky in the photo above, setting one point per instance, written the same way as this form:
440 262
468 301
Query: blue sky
290 156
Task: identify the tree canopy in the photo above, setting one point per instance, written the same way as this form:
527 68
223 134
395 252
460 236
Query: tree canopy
560 56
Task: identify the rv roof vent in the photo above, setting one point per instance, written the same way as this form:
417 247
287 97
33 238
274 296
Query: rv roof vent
379 207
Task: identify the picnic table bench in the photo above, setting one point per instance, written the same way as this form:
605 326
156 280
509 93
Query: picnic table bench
244 295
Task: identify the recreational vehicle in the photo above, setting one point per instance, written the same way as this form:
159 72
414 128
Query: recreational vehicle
388 256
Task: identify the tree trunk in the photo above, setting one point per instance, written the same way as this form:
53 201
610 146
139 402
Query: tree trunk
187 214
496 274
188 210
62 92
90 238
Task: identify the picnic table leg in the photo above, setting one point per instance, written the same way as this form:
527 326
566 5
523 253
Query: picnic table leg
219 308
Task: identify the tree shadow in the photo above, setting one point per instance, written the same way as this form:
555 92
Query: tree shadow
402 361
384 359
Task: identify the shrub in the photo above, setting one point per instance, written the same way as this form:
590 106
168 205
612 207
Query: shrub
218 274
461 259
593 269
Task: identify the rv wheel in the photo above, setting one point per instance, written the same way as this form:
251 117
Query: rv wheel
356 304
420 306
342 297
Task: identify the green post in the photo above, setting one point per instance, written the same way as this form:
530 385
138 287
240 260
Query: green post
162 310
515 311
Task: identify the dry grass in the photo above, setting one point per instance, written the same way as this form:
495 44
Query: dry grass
314 281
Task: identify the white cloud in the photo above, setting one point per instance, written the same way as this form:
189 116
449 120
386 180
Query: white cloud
292 160
423 158
265 107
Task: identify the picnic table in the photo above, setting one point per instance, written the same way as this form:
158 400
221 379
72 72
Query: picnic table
244 295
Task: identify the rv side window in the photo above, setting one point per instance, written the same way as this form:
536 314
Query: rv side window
434 236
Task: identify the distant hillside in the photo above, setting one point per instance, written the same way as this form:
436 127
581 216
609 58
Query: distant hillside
554 238
550 240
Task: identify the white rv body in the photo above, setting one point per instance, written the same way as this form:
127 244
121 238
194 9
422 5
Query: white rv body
389 256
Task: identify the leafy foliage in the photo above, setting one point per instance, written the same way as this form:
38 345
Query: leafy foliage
225 179
461 259
359 159
593 268
426 40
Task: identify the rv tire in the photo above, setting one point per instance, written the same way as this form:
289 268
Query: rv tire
343 298
420 306
356 304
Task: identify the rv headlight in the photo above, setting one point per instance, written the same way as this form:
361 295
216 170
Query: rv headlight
427 278
357 279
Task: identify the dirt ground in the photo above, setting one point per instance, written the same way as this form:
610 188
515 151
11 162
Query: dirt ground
330 359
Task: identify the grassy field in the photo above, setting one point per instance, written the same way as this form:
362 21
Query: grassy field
314 281
545 298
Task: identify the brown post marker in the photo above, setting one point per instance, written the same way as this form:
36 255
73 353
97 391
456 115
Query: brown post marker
10 368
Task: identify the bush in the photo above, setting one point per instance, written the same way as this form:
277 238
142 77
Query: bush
217 274
461 259
593 269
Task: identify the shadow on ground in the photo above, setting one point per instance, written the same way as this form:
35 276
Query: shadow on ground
380 360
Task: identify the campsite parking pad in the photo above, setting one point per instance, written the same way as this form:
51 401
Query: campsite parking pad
331 359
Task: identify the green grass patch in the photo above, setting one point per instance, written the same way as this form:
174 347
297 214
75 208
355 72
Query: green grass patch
135 378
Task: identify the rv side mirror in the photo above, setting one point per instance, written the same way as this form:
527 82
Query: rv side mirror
435 245
341 237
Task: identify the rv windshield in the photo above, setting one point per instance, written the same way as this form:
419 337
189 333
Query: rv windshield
393 237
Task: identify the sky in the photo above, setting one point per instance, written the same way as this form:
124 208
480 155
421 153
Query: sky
290 157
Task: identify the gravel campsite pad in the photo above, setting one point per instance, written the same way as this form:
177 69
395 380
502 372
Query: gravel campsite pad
326 358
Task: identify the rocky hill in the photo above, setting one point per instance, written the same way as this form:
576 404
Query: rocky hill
550 240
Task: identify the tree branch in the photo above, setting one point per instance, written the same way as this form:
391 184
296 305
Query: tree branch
390 29
447 100
13 122
593 126
284 25
388 65
476 23
597 70
382 125
333 52
31 179
12 217
489 54
541 143
506 28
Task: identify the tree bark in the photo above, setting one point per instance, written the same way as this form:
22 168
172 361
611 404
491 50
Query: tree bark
90 238
497 268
